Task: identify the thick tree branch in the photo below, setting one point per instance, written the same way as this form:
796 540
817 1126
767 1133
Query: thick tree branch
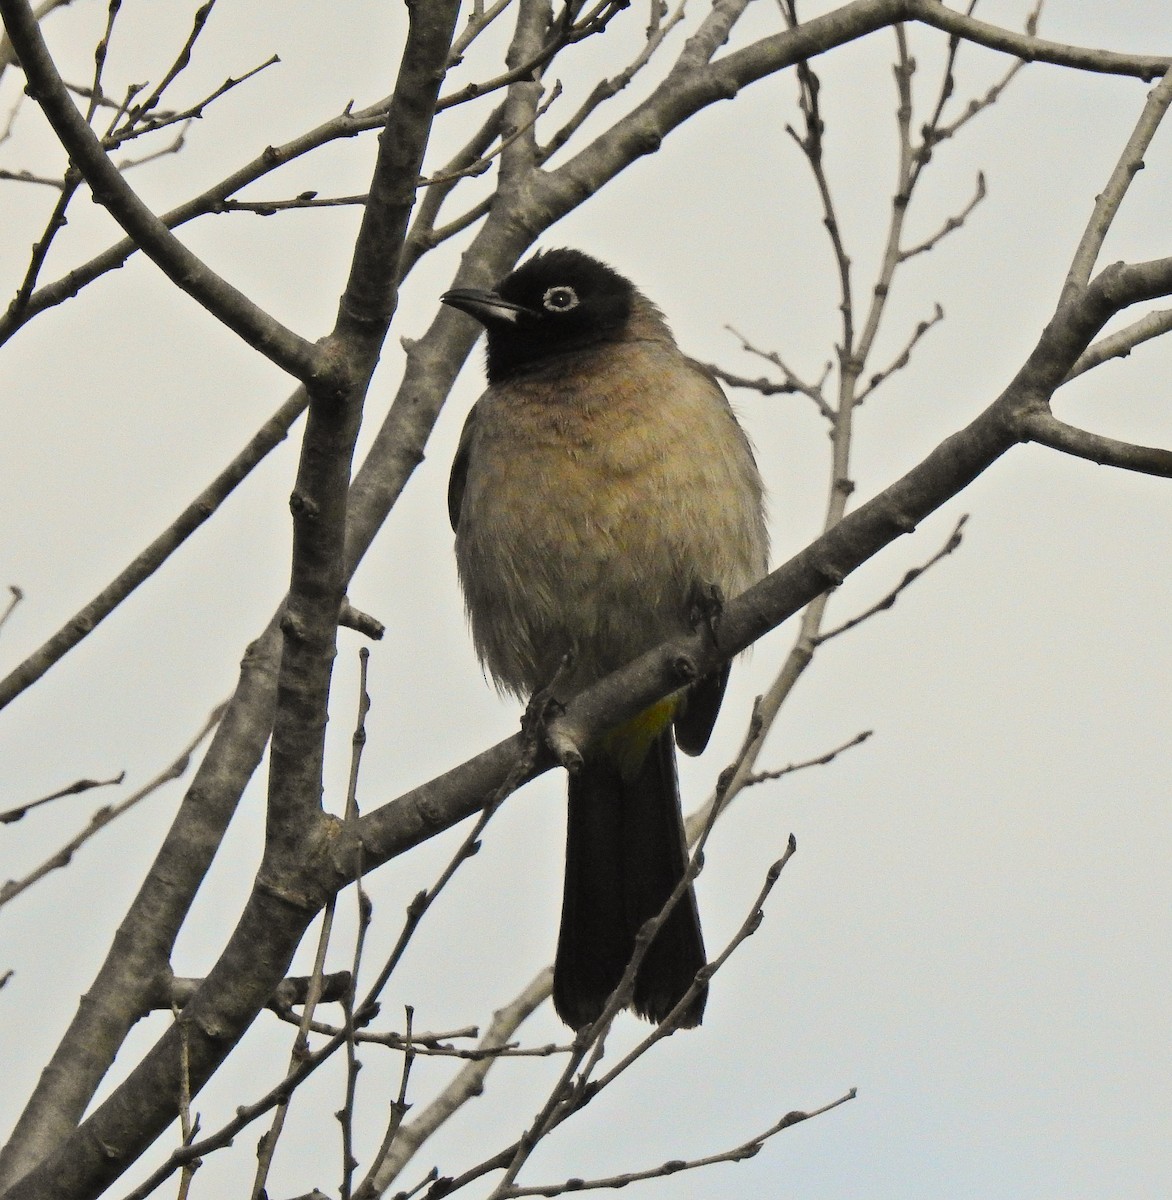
137 965
860 535
320 496
286 895
518 216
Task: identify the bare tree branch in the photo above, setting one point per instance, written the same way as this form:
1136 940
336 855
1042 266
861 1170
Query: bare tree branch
902 359
18 813
950 226
1111 197
888 601
1045 429
1121 343
15 596
348 124
182 61
739 1153
821 760
104 816
468 1084
309 861
83 622
283 347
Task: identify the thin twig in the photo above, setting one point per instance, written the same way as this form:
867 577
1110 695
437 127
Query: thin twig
100 50
422 1046
953 543
951 225
25 176
432 200
362 901
468 1083
104 816
482 164
747 928
674 1166
174 146
566 33
267 1146
11 815
902 359
68 185
1121 343
607 89
15 596
140 127
791 381
268 208
182 60
821 761
398 1111
187 1127
478 21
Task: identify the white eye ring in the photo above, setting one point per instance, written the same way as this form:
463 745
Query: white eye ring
560 299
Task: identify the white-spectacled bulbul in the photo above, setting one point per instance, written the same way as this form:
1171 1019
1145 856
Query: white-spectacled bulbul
601 486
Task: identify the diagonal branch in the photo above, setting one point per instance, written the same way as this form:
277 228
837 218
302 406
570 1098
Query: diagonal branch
735 1154
186 270
1121 343
467 1084
1111 197
858 536
955 222
1047 430
105 815
86 619
888 601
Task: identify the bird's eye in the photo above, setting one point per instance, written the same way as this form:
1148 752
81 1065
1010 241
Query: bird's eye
560 299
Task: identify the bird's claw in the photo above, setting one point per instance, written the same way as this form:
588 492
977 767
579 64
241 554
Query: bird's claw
707 608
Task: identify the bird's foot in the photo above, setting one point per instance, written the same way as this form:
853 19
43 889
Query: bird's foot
707 608
540 726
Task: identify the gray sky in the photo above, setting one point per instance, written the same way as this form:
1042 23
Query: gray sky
974 931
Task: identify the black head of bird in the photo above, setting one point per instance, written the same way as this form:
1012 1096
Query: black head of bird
558 301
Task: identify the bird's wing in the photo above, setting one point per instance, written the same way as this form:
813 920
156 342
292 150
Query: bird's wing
718 391
697 714
459 473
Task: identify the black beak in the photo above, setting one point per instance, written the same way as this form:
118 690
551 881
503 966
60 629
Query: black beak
487 307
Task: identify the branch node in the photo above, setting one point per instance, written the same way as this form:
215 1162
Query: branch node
303 505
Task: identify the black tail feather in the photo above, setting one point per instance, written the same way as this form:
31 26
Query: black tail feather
625 853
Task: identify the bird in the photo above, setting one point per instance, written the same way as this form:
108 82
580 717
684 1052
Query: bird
602 488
